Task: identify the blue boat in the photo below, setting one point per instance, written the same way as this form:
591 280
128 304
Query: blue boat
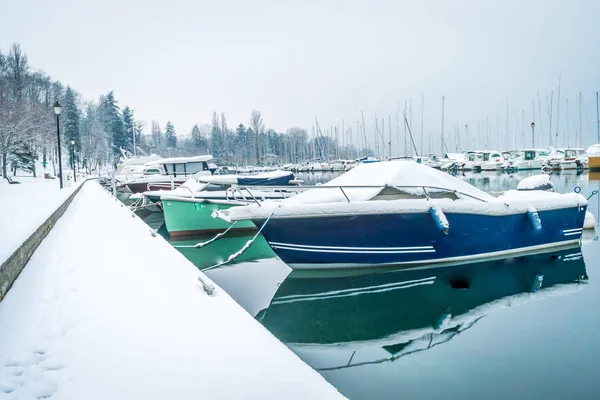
405 213
214 187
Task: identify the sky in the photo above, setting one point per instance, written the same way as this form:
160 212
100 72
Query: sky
296 61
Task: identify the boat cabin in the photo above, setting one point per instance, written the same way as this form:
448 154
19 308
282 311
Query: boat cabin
532 154
491 155
179 166
574 153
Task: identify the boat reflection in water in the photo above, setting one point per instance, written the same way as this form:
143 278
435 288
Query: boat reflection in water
339 322
219 250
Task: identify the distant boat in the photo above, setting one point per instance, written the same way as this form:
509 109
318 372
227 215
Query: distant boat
527 159
340 321
594 157
574 159
167 172
494 162
405 213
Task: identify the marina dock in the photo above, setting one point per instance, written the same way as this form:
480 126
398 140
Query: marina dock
105 308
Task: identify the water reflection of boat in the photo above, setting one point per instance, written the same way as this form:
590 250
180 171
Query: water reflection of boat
345 321
219 250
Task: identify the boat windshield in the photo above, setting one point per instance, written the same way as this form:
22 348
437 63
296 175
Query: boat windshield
570 153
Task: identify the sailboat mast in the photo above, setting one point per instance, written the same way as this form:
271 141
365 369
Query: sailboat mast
507 125
540 116
442 135
364 132
550 108
398 131
410 123
390 129
514 134
568 133
558 109
422 116
487 133
405 149
580 124
532 120
598 119
523 128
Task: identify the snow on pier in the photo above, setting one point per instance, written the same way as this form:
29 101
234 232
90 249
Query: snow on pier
24 207
106 310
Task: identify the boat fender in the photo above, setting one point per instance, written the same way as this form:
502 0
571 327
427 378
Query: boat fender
439 218
534 219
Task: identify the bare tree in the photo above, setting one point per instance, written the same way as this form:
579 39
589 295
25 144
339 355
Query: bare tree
256 124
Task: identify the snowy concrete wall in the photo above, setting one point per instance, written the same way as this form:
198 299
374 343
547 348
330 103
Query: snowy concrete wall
12 267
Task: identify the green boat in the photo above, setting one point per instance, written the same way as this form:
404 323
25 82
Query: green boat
193 216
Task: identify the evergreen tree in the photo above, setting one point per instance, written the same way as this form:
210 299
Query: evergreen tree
129 125
196 136
71 117
170 135
113 124
71 120
23 157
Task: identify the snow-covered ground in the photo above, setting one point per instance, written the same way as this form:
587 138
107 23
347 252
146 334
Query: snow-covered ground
105 310
24 207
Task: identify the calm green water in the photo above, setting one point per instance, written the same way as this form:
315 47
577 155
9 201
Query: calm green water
525 327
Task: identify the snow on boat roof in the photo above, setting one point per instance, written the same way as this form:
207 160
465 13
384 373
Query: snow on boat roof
408 174
593 149
454 156
181 160
535 182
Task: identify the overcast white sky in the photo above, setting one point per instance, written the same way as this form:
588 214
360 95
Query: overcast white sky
296 60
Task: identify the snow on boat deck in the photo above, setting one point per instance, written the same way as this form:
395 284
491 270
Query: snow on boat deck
105 310
24 207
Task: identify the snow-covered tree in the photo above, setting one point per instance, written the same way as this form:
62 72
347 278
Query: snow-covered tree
170 135
113 124
70 118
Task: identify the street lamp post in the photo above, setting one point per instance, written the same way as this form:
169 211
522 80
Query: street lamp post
532 135
57 110
73 160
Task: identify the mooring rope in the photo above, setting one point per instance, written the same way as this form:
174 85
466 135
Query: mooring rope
577 189
241 251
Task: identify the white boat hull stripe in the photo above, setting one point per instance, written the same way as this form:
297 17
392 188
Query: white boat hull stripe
306 246
355 251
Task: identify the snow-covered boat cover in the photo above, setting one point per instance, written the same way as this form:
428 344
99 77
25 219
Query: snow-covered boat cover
593 150
197 184
539 182
272 178
409 177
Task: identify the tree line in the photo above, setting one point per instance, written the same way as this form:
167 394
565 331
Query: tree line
96 133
